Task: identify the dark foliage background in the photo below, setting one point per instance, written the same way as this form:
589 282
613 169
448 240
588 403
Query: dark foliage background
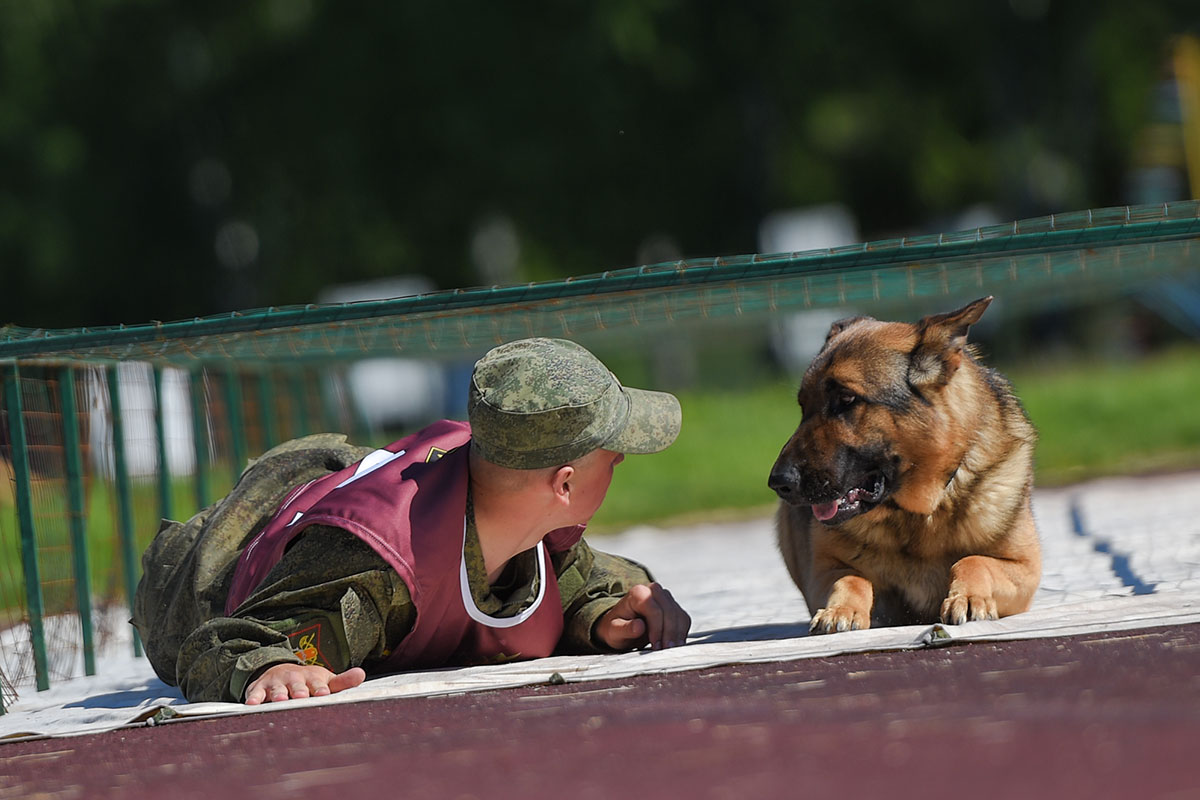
163 159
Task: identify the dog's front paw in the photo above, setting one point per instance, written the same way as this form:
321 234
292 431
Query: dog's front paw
959 608
838 618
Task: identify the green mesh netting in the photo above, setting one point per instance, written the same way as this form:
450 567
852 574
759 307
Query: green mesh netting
149 441
1059 255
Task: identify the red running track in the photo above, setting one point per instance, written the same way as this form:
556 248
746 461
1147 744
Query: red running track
1098 716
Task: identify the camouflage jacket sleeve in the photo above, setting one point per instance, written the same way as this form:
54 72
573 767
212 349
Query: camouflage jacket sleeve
591 582
331 600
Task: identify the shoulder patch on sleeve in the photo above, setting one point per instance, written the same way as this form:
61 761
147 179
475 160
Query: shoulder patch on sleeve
306 644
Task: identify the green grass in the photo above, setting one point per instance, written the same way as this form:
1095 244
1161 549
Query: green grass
719 463
1115 418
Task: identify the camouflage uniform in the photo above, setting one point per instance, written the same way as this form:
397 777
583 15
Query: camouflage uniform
331 599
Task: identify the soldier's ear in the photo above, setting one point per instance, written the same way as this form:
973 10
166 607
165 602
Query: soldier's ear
941 340
560 482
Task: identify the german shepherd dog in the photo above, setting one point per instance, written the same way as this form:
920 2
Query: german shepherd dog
905 491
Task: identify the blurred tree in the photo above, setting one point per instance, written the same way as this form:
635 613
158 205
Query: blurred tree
163 159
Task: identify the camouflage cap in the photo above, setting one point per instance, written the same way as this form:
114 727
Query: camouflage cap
542 402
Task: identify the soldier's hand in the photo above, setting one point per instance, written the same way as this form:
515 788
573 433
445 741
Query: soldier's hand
647 614
287 681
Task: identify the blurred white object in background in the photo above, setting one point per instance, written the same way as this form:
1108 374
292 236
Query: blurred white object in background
796 337
391 393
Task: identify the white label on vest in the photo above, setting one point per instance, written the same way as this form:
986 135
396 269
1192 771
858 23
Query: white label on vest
370 463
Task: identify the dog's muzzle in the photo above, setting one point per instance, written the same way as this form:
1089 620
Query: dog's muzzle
830 504
784 480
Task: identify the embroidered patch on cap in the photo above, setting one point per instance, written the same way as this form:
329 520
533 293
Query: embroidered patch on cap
306 644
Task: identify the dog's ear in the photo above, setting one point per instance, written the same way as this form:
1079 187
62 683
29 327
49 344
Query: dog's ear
941 339
842 324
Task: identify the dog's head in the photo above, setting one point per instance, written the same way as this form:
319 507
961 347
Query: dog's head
877 423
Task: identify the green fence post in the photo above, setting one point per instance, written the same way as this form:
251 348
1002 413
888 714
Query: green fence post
124 500
266 403
160 432
237 429
29 560
199 436
358 419
329 410
77 515
300 418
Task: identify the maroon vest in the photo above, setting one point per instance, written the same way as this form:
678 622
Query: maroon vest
408 502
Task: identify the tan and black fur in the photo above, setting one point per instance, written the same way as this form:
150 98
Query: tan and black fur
920 461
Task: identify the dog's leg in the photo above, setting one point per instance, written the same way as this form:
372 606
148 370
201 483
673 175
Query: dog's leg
971 593
990 587
848 604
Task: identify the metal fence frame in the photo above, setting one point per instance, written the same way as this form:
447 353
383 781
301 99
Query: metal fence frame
269 348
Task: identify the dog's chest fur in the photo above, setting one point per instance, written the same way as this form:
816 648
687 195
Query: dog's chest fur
911 554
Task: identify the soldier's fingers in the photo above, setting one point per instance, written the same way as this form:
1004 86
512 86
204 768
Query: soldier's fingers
676 622
669 614
624 633
346 680
649 608
635 599
311 681
270 687
255 694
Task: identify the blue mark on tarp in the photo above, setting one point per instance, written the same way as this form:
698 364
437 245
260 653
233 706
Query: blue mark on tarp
1119 561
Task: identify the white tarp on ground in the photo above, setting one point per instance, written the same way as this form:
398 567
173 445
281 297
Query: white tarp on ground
1118 554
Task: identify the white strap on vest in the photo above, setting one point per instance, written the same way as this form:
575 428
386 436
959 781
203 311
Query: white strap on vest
500 622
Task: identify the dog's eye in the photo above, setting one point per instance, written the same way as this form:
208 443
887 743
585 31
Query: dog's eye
842 402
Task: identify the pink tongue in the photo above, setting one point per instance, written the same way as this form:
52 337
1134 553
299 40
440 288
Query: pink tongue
824 511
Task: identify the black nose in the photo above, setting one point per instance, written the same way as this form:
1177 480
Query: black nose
784 480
